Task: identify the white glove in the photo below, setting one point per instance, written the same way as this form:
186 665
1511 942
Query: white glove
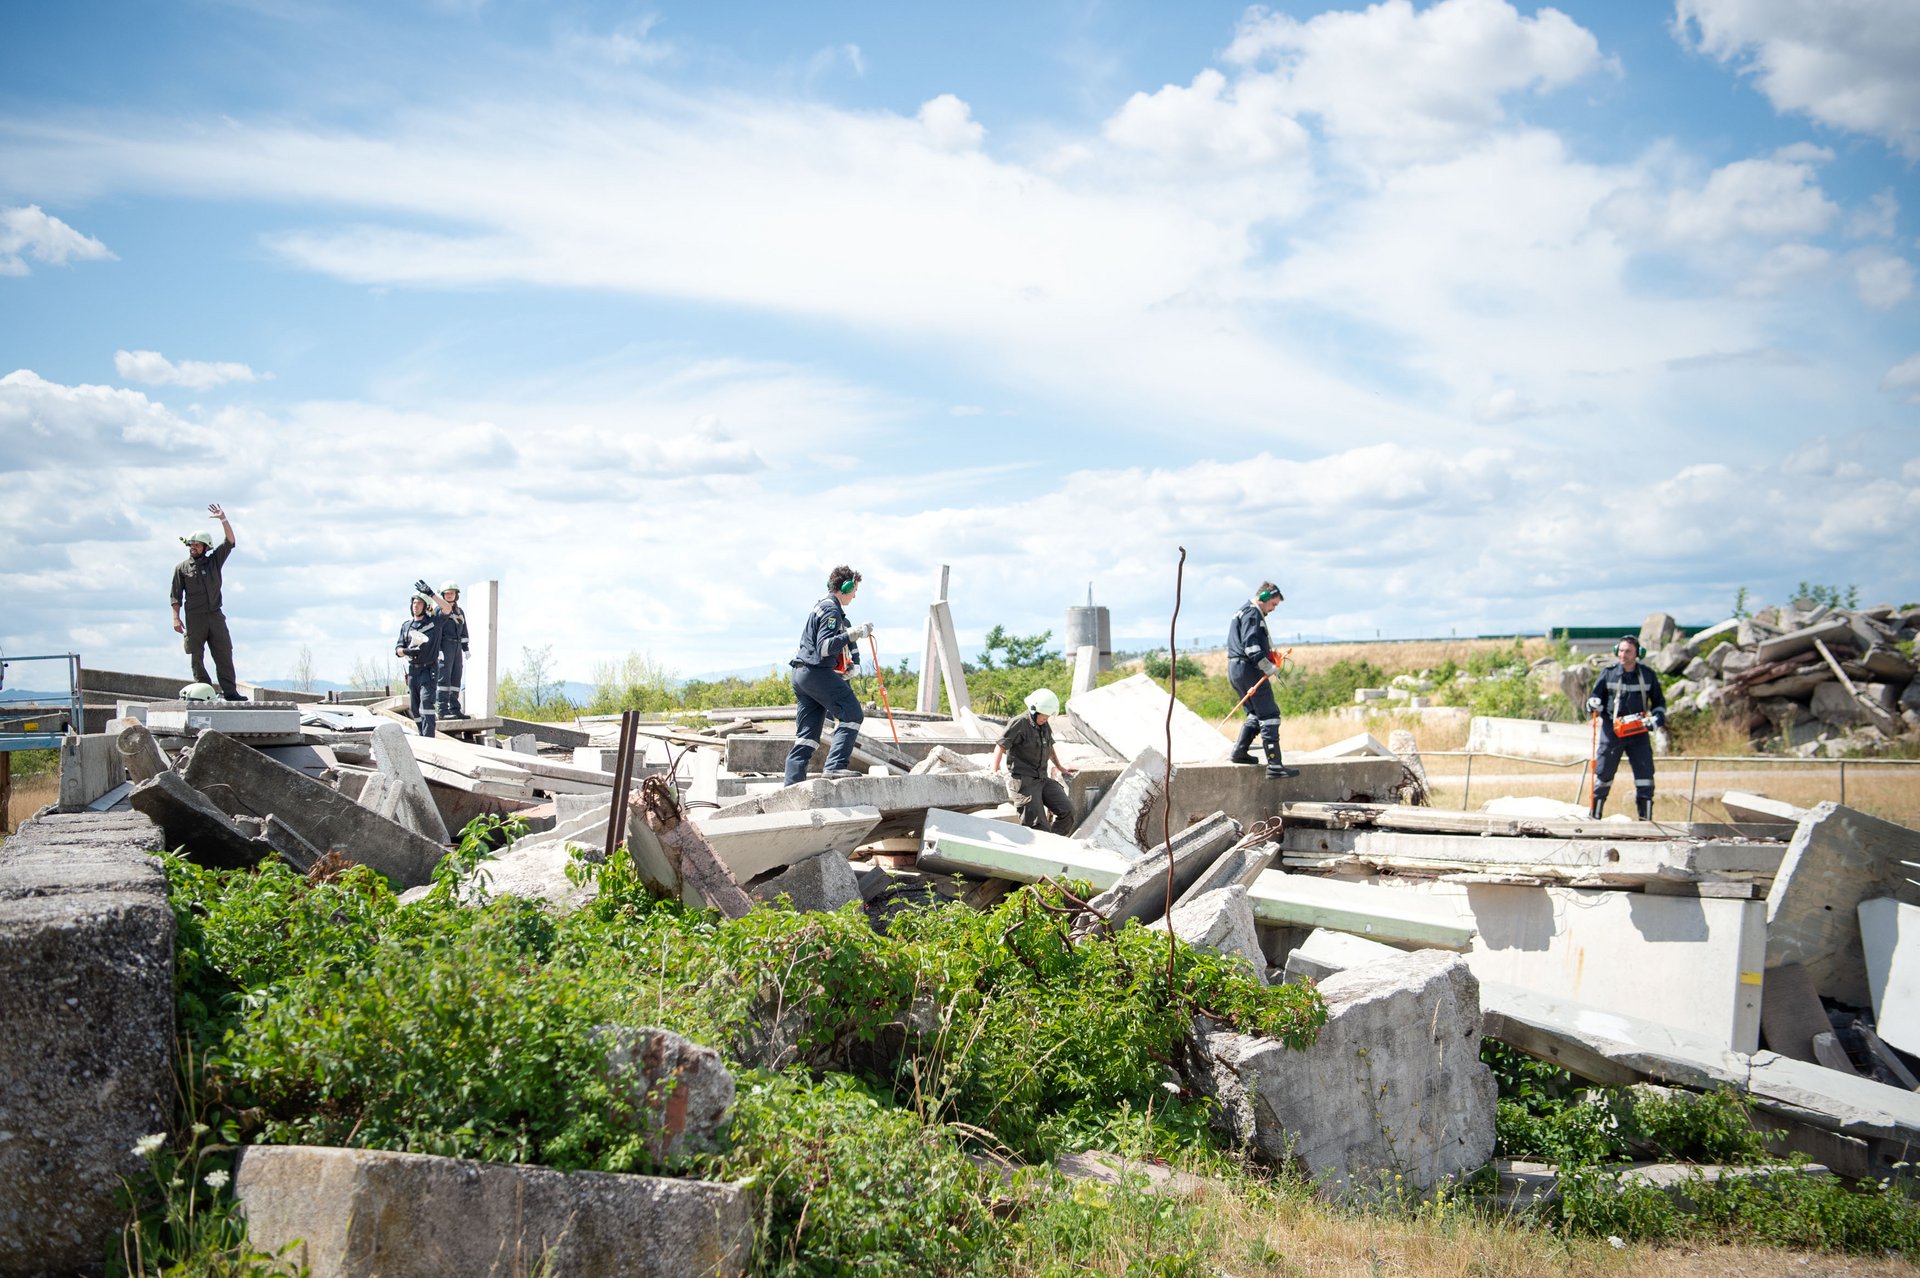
1593 703
861 631
1268 668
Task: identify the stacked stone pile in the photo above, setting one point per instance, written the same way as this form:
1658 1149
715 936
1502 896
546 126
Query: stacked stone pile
1811 679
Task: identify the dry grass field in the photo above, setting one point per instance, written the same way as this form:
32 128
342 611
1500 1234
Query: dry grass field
1411 656
28 798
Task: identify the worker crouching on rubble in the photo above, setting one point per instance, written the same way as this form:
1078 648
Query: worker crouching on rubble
1250 662
422 636
1028 745
1629 703
829 647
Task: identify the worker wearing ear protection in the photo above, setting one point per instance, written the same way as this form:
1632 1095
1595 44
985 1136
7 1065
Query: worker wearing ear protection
1250 660
1028 745
1629 701
829 647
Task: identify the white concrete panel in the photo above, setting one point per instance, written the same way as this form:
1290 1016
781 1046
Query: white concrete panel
1890 934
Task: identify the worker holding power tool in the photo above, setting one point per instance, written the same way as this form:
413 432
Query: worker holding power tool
829 648
1629 703
1251 661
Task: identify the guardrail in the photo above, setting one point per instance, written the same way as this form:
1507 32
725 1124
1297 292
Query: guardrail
1665 760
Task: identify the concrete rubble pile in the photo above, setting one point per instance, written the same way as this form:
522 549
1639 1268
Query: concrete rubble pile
1770 957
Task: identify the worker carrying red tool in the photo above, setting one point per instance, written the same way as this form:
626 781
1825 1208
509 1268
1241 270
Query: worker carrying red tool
829 647
1628 702
1250 661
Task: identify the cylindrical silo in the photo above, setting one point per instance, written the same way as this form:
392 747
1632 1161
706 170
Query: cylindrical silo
1090 627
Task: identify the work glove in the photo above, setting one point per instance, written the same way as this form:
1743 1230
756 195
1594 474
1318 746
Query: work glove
424 588
1659 717
1267 668
1593 703
859 632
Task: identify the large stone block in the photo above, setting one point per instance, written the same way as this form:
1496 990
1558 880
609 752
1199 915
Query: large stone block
1222 921
361 1213
821 883
682 1092
1392 1096
86 1001
1839 857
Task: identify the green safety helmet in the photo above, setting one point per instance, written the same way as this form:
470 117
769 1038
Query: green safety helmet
1043 701
203 537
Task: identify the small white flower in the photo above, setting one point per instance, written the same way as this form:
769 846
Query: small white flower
216 1180
201 1129
147 1145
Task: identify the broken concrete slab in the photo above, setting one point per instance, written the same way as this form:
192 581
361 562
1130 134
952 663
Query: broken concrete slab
752 845
1392 1097
320 814
1790 1012
1361 745
1221 921
361 1213
1382 913
818 884
1086 668
681 1091
686 848
1795 642
1247 795
193 823
941 759
900 800
1143 892
1596 860
268 725
405 799
90 766
1758 809
140 754
1890 937
1328 953
1838 858
1118 822
959 843
86 995
1241 864
1127 717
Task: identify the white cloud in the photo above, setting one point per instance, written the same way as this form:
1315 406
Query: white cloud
1904 379
1848 64
950 124
1774 198
28 232
1883 280
156 369
631 44
1209 122
1781 265
1878 220
1403 80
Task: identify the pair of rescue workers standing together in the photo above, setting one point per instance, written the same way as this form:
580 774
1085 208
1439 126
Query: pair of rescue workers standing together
829 650
434 641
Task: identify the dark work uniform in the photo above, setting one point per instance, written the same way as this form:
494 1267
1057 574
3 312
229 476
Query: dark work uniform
1247 646
1043 801
1620 693
196 588
453 662
423 667
820 691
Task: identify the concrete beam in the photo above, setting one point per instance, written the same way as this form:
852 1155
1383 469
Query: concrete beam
1127 717
955 843
752 845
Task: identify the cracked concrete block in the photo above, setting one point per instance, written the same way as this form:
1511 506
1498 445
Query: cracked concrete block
821 884
361 1213
1393 1096
1839 857
681 1091
1222 921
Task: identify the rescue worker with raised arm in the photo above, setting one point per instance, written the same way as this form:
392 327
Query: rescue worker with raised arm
196 589
422 636
1629 702
1250 661
453 655
1028 745
829 647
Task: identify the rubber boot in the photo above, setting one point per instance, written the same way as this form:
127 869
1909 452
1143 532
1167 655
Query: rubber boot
1242 749
1277 770
1599 803
1643 805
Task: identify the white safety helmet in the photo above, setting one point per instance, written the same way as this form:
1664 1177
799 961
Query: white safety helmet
203 537
445 586
424 598
1043 701
199 692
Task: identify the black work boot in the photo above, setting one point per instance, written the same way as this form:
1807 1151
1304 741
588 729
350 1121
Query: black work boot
1644 806
1599 805
1277 770
1242 749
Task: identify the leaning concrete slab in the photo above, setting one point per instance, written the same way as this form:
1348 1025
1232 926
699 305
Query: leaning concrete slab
1890 935
1127 717
1327 953
752 845
406 799
90 766
1239 865
361 1213
1118 822
958 843
1221 921
193 823
86 996
1143 891
1393 1096
1790 1012
319 813
265 724
1839 857
820 883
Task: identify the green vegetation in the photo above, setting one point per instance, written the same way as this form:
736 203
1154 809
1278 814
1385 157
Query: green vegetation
1831 596
29 765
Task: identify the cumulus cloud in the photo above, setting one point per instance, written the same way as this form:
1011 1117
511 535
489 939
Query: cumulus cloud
1883 280
1904 379
950 124
1771 198
1848 64
29 232
1878 219
1211 121
47 424
156 369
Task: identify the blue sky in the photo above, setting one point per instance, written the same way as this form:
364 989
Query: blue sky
1450 317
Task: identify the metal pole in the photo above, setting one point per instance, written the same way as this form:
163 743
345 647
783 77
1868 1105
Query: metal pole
1693 790
1843 783
1466 787
622 781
